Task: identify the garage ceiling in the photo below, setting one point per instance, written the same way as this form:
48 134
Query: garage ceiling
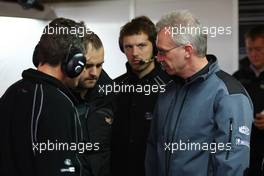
49 1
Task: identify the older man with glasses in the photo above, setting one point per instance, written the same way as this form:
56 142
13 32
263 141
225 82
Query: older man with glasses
202 123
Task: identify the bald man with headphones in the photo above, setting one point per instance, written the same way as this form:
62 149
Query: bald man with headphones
40 127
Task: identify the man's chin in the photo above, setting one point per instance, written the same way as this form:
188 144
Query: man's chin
90 85
138 67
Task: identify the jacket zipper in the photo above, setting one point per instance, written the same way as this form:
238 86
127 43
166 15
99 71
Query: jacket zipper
229 136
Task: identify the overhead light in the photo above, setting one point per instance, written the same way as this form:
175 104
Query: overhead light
28 4
11 9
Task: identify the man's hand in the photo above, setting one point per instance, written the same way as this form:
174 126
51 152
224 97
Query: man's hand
259 121
109 120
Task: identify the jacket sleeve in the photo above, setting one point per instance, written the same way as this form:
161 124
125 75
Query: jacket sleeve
234 115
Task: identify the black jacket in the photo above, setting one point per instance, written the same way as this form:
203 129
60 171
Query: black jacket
255 87
38 112
97 129
132 121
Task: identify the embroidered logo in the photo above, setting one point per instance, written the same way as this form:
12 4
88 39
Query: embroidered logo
67 162
148 116
242 142
244 130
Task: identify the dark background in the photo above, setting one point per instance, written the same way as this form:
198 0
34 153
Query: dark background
251 13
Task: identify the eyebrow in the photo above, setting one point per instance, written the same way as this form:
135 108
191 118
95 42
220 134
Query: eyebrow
94 64
136 44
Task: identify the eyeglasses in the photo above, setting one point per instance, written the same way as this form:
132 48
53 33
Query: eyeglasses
162 53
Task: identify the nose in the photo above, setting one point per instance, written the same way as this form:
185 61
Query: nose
160 58
93 71
135 51
253 54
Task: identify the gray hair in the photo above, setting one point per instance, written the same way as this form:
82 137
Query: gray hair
176 22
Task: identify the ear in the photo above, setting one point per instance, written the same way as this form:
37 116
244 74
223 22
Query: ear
188 50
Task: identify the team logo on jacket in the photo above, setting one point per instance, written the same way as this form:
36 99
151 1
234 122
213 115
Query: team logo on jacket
240 141
244 130
148 115
67 162
68 168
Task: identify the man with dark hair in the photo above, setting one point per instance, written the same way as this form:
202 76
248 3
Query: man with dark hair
251 75
144 79
40 129
99 117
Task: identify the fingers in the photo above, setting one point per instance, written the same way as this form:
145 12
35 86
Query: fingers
109 120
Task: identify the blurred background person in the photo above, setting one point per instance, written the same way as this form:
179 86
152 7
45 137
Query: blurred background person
251 75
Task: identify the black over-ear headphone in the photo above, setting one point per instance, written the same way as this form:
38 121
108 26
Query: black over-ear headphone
72 65
35 56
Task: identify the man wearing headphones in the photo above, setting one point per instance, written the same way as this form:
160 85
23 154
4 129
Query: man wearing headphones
40 127
134 107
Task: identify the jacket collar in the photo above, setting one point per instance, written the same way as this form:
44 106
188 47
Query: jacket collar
210 68
42 78
132 76
94 92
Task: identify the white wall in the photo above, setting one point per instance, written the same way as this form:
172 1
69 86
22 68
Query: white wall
104 18
19 36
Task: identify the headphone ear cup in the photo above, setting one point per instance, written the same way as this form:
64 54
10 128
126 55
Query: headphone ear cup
74 64
35 56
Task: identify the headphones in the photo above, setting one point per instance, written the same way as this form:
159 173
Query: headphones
72 65
35 54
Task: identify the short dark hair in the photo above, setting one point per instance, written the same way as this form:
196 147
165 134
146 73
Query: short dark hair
92 39
53 47
255 32
141 24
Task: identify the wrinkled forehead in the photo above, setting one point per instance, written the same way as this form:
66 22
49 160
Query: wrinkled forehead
164 37
95 56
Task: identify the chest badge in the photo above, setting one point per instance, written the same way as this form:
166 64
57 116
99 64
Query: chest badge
148 116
